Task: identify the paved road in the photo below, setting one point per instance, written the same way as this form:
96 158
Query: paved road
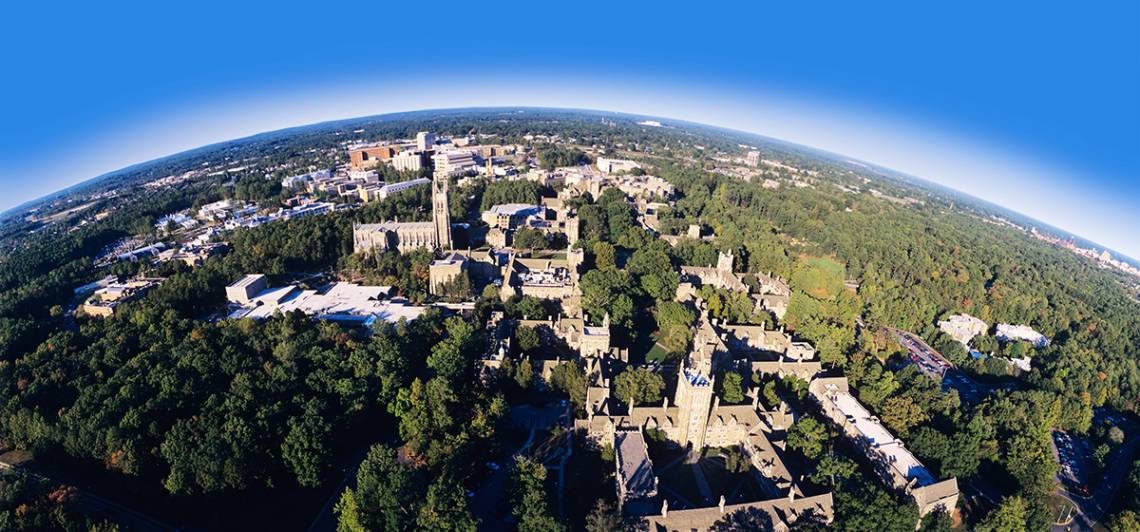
95 506
928 360
487 499
1094 507
326 520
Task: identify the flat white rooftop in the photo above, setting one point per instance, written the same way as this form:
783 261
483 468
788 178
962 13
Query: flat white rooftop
512 209
879 438
247 280
339 302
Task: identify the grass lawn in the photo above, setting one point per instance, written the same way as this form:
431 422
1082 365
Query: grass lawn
656 353
820 277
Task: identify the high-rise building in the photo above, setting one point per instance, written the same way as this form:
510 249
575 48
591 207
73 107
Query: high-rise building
408 160
369 156
424 141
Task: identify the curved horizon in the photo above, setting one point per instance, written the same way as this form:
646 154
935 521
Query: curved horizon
275 121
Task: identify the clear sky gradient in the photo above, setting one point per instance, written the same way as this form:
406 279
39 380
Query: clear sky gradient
1032 106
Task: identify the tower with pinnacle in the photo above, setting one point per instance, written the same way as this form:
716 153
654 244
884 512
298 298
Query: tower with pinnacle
440 215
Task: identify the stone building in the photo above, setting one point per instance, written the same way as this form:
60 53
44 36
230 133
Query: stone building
406 236
721 276
783 513
394 236
545 278
445 270
588 340
440 213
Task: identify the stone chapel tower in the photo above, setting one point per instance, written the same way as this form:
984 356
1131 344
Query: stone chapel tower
440 214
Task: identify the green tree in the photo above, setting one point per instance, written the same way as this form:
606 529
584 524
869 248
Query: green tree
510 191
936 521
553 156
603 517
529 502
531 308
639 385
568 378
452 358
1115 435
305 448
604 255
808 436
608 291
1010 516
860 505
731 391
901 413
833 469
1125 521
985 343
528 339
528 238
426 416
655 272
445 508
524 373
675 323
955 352
347 510
387 493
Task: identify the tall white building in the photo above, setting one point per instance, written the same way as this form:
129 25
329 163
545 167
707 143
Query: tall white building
408 161
424 141
611 166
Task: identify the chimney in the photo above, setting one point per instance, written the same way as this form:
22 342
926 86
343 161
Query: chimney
721 504
665 402
716 402
664 507
792 493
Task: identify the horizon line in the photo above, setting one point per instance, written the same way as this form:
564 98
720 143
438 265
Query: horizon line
379 116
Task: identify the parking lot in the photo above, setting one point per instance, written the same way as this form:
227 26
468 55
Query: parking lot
927 359
932 363
1073 454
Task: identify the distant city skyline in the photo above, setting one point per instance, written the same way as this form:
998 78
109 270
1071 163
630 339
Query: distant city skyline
996 106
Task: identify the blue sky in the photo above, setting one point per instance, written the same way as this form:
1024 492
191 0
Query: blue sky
1033 106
